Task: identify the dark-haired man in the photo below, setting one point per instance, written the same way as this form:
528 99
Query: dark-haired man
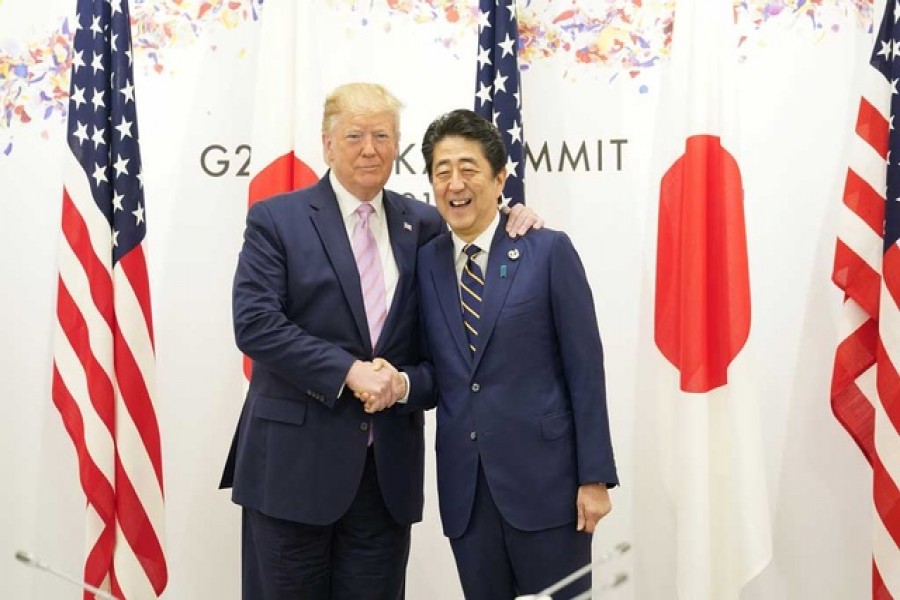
524 457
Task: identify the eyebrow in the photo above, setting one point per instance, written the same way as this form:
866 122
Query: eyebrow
465 160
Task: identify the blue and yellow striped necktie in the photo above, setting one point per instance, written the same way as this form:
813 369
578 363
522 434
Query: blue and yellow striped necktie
471 283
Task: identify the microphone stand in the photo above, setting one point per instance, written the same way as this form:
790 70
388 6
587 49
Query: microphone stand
614 581
32 561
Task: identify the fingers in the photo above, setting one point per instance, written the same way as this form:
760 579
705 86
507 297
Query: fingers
593 504
587 519
590 523
377 384
521 219
514 222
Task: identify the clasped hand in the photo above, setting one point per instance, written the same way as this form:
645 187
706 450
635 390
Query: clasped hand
377 384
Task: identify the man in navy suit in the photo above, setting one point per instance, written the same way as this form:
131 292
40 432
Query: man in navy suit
524 457
325 283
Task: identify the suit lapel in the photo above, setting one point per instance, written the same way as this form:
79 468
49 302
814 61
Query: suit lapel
329 224
498 278
443 275
402 232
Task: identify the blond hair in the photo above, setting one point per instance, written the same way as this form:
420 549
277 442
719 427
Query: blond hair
356 99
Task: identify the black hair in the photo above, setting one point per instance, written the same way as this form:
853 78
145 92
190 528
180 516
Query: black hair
466 124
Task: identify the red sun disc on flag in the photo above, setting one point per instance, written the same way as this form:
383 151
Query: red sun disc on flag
702 314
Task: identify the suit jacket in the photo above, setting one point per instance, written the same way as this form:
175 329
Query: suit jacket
530 405
299 450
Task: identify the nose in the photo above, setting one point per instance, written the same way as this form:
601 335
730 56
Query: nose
456 181
368 145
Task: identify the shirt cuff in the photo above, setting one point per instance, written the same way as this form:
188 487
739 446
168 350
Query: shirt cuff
405 397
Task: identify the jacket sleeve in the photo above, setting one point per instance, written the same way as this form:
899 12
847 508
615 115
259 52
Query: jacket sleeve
263 330
582 359
422 386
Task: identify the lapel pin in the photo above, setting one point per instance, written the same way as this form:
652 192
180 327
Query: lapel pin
513 254
407 226
502 271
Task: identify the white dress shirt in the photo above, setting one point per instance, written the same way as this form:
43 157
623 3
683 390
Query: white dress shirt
348 203
483 241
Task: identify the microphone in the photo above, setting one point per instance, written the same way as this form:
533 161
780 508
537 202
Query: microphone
607 583
32 561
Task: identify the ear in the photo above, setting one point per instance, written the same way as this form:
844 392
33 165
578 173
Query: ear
326 148
501 177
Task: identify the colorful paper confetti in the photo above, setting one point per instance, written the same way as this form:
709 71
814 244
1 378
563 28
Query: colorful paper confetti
621 37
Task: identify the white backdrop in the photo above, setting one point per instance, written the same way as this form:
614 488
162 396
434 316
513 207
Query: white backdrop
797 109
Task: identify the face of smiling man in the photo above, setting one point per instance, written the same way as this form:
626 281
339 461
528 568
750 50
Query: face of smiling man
465 190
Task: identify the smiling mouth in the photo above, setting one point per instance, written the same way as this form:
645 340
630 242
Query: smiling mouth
459 203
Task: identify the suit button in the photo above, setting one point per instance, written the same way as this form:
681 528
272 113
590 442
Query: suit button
363 426
473 436
475 388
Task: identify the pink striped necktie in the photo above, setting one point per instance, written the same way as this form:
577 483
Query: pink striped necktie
371 279
371 274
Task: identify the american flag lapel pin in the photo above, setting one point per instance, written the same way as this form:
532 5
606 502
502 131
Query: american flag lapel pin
407 226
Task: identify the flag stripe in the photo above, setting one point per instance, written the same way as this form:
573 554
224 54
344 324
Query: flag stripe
869 166
128 562
134 348
81 367
891 274
864 202
97 564
82 239
885 552
134 267
101 496
872 127
855 276
137 528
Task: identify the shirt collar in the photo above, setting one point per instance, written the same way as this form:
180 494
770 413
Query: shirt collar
483 240
348 203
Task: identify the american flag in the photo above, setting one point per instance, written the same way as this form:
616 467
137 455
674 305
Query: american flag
865 387
498 95
104 363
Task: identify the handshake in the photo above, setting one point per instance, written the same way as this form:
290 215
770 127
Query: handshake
377 384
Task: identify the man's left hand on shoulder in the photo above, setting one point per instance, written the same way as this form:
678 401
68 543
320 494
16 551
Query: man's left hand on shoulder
521 219
593 504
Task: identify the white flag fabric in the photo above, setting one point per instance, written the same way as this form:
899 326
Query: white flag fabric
287 106
703 439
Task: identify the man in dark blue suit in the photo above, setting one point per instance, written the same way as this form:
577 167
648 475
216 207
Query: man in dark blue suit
325 283
524 457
